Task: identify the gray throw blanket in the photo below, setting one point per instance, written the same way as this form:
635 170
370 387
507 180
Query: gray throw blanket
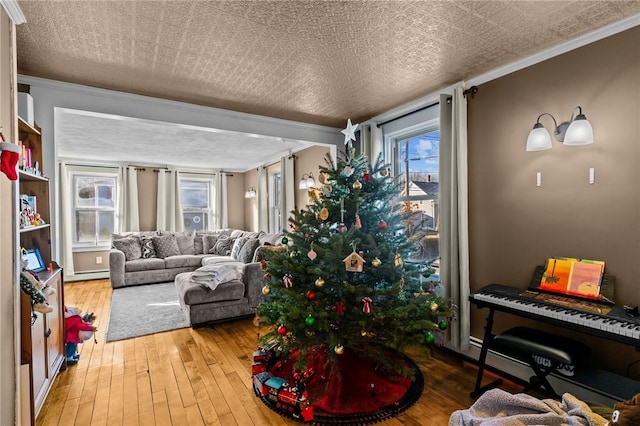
499 408
216 274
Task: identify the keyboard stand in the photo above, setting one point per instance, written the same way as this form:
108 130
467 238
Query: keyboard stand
486 341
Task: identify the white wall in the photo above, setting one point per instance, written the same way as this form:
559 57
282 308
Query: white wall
49 94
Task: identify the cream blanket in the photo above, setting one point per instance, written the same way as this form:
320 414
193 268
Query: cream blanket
499 408
214 275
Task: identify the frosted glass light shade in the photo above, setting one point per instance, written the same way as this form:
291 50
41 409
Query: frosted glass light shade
579 132
303 183
539 138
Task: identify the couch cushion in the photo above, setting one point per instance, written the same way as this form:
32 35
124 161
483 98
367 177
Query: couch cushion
245 255
193 293
209 242
223 246
237 246
130 246
144 265
183 261
185 242
273 239
216 259
166 245
148 249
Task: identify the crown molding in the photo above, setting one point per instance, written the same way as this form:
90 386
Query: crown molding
152 101
14 11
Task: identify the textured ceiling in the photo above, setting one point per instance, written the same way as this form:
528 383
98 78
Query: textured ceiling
312 61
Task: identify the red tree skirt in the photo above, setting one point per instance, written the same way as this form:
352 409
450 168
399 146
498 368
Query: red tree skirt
352 387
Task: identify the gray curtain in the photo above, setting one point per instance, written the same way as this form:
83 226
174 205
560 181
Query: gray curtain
221 213
169 207
454 219
128 216
288 190
370 141
263 200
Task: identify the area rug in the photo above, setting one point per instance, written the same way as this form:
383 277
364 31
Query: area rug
144 309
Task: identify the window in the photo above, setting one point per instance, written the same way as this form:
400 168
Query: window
196 195
94 208
416 166
275 214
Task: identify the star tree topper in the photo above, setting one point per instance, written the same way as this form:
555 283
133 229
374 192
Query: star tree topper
349 133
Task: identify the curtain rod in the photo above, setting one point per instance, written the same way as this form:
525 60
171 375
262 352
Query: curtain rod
407 114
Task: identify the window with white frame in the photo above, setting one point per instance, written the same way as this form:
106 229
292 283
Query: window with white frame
95 198
416 164
275 212
196 195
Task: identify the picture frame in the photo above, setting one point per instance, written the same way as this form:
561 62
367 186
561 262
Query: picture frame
34 260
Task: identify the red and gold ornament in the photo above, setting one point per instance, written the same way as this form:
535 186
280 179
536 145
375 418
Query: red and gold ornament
367 304
287 280
282 330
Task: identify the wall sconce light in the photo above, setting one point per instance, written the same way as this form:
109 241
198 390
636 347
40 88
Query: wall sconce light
307 181
251 193
577 131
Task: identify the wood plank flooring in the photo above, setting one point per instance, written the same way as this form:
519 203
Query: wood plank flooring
203 377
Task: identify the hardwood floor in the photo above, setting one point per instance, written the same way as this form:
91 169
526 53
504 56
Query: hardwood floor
203 377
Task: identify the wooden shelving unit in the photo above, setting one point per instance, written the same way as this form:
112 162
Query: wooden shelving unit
42 335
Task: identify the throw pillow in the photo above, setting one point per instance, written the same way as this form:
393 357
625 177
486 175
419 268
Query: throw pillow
130 246
223 246
148 249
166 245
209 242
262 250
186 242
245 255
237 246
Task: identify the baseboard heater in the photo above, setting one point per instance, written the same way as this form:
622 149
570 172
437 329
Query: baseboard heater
598 386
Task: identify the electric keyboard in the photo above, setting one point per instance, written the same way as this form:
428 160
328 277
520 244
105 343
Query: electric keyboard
609 322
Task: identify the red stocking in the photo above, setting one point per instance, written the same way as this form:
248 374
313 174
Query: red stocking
9 159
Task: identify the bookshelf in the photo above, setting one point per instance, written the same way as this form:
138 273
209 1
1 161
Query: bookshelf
42 335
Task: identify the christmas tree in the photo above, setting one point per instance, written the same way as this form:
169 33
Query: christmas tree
345 288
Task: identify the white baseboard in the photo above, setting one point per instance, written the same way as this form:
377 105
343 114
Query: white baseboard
85 276
521 370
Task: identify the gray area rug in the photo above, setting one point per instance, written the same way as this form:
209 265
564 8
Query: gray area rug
144 309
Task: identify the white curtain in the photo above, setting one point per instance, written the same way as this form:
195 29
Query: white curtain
66 222
169 215
454 220
221 210
263 200
128 216
287 190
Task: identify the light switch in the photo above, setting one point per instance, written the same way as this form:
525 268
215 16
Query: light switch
592 175
538 179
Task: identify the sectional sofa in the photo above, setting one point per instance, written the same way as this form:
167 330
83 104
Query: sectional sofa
155 257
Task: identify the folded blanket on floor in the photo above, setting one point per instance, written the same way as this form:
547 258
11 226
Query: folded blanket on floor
214 275
499 408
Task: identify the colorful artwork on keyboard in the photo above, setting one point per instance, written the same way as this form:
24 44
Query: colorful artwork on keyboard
577 277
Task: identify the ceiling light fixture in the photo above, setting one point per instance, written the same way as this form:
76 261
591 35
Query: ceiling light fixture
577 131
251 193
307 181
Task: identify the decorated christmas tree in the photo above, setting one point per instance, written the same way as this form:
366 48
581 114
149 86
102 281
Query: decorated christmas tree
344 299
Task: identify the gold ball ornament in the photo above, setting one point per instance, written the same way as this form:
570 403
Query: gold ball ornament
357 185
339 349
320 283
266 290
376 262
324 214
434 307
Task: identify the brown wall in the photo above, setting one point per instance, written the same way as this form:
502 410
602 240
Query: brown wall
307 160
515 225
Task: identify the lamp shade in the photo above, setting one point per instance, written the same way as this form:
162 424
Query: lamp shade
579 132
311 182
251 193
303 183
539 138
